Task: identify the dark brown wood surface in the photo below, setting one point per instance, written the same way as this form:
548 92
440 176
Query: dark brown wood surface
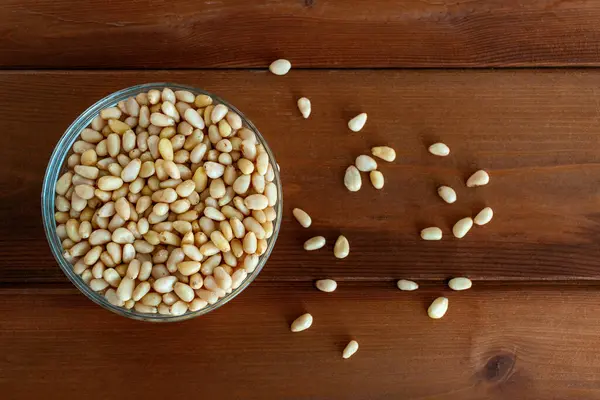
536 132
312 33
496 342
528 329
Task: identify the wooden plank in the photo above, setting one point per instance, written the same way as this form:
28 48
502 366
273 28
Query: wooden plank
535 131
496 342
312 33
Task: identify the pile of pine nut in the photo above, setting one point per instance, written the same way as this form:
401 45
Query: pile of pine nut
167 203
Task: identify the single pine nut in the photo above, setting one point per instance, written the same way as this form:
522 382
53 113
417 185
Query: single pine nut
304 106
302 323
350 349
341 249
384 152
365 163
141 290
179 308
439 149
314 243
194 119
377 179
256 202
109 183
447 194
484 216
460 283
218 113
280 67
197 304
479 178
125 289
164 284
358 122
326 285
407 285
460 229
431 233
352 179
185 292
188 268
302 217
438 308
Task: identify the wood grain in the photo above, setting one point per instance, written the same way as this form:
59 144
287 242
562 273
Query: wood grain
535 131
496 342
312 33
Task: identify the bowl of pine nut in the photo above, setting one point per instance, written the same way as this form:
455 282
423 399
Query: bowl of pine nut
162 202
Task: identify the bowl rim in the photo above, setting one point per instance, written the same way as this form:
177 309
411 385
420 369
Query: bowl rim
56 166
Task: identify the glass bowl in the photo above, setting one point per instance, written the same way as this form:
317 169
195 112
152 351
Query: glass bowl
57 165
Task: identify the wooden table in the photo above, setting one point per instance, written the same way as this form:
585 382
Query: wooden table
527 330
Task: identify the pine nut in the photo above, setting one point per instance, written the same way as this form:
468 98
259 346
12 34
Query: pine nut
460 229
179 308
447 194
384 152
314 243
484 216
302 217
194 119
302 323
377 179
125 289
439 149
218 113
153 208
479 178
358 122
185 292
350 349
406 285
326 285
460 283
165 284
280 67
365 163
341 249
438 308
352 179
431 233
304 106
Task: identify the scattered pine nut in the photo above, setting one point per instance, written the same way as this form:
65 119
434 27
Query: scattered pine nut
302 217
302 323
314 243
479 178
406 285
304 106
352 179
484 216
365 163
447 194
280 67
358 122
377 179
341 249
438 308
384 152
460 229
460 283
439 149
350 349
326 285
431 233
